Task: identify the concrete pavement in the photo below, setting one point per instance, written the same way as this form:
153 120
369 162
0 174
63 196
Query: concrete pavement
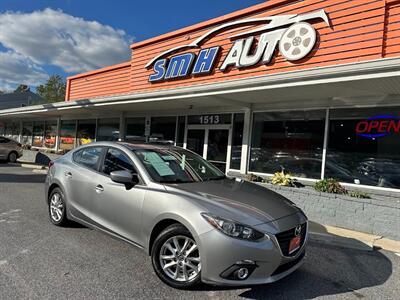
41 261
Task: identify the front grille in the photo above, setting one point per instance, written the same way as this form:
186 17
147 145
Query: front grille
289 265
285 237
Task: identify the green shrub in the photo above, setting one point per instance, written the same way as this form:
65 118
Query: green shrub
330 185
254 178
358 194
282 179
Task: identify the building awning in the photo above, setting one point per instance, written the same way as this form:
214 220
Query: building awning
375 83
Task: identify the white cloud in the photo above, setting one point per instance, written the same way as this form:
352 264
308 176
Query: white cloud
52 37
16 68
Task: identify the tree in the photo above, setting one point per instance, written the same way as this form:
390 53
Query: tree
22 88
53 90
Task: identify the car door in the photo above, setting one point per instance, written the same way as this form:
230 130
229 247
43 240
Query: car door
3 148
117 207
80 179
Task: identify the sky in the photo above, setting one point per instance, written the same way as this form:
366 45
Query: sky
39 38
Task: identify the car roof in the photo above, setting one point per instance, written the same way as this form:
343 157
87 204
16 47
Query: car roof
138 146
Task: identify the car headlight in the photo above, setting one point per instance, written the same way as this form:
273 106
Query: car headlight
233 229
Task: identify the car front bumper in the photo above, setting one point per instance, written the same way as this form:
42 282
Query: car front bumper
221 254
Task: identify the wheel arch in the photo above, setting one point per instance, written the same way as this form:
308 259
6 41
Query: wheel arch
163 223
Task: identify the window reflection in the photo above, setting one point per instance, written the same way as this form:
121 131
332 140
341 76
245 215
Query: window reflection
108 130
67 135
86 132
163 128
289 141
356 159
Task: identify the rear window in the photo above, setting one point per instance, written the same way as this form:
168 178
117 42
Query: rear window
88 157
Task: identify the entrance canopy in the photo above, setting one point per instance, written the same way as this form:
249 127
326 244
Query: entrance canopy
362 84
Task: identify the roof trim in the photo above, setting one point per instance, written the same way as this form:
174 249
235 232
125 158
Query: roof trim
101 70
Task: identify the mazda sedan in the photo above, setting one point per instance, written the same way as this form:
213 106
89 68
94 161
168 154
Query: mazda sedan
195 223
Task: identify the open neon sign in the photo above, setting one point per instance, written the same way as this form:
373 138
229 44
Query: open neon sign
378 126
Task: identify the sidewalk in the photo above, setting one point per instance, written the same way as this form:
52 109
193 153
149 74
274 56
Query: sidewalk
351 239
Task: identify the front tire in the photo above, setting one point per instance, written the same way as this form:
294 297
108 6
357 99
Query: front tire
12 157
176 258
57 208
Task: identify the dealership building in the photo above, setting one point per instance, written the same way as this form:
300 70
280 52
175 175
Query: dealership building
311 87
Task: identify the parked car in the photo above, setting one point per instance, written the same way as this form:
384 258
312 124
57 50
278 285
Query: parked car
10 150
194 222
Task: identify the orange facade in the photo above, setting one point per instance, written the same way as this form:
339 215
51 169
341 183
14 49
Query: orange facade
359 30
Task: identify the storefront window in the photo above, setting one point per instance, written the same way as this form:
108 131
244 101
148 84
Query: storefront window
50 134
163 128
38 134
86 132
135 129
9 129
67 135
108 130
181 131
27 128
290 141
2 128
237 141
364 146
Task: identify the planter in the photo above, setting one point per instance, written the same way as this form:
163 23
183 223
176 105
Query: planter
379 215
37 157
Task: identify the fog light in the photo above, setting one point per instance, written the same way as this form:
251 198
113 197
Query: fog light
242 273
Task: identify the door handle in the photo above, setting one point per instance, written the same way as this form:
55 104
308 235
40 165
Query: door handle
99 188
68 174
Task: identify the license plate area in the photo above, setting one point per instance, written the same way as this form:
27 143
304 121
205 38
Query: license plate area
294 244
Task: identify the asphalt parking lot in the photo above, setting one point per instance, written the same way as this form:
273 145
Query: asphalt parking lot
41 261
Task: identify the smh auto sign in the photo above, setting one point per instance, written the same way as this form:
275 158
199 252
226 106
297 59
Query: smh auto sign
291 33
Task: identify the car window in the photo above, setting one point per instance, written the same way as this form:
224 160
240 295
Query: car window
88 157
117 160
3 140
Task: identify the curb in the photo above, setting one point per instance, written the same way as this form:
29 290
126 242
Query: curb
32 166
352 239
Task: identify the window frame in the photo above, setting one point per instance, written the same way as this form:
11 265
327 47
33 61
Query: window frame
98 162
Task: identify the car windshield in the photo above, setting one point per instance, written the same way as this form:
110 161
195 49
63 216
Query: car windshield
177 166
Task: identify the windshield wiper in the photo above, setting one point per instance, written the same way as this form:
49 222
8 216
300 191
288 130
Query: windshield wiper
175 181
215 178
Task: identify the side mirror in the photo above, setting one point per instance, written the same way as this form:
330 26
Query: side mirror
124 177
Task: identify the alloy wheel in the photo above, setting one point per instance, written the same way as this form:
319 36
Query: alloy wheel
180 258
56 207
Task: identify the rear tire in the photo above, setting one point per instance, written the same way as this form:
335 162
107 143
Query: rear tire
57 208
184 258
12 157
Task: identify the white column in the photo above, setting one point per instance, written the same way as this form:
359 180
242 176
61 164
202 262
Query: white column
326 136
246 141
57 146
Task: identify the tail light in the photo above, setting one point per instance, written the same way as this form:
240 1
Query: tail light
51 163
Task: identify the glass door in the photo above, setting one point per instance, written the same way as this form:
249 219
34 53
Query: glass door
195 140
217 147
211 142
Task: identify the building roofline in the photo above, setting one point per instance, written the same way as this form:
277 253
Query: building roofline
101 70
240 13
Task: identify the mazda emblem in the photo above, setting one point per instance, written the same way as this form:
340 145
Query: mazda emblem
297 231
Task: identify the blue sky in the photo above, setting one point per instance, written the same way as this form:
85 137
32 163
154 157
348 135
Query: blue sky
65 37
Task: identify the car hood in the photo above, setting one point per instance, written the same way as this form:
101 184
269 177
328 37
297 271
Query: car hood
242 201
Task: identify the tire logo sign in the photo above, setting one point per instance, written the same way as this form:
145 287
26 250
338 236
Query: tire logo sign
298 41
294 36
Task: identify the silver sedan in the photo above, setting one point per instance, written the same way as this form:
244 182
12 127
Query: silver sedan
195 223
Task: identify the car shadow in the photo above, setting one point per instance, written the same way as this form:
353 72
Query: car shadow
22 178
328 270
